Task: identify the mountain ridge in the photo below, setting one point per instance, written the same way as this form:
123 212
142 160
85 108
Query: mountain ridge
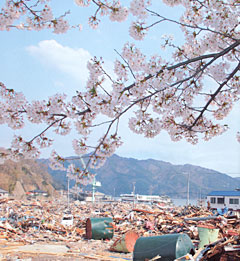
153 176
119 174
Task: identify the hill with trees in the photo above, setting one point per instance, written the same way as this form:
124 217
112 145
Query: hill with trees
29 174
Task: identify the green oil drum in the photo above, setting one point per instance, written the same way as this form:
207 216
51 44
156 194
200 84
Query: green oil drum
167 247
207 234
99 228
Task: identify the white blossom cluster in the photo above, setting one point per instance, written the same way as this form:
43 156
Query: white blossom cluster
186 95
31 15
118 13
80 176
83 2
137 30
138 8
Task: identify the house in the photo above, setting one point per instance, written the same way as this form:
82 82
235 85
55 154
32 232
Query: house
3 194
221 199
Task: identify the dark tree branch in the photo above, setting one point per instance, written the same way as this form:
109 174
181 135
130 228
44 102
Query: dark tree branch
214 95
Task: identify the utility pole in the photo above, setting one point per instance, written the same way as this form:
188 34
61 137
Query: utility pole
94 185
188 188
134 194
77 192
94 181
68 194
201 197
93 189
188 184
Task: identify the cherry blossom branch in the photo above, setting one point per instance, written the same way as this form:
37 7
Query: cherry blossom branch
47 128
163 94
191 26
189 61
214 95
214 56
128 66
30 9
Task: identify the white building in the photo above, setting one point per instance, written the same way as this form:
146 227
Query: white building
146 198
3 193
221 199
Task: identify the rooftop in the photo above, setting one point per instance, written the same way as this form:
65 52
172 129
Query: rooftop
225 193
3 191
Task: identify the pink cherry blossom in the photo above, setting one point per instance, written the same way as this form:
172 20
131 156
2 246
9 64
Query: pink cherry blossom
188 94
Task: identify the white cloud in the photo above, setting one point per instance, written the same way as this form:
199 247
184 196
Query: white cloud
71 61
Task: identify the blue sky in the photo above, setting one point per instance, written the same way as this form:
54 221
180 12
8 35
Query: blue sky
41 64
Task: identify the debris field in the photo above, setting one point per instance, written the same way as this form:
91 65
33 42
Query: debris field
33 230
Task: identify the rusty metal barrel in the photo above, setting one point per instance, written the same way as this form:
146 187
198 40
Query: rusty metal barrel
99 228
125 243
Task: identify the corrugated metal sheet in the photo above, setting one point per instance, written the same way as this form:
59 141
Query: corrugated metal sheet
224 193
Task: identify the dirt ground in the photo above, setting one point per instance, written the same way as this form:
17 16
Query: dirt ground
84 250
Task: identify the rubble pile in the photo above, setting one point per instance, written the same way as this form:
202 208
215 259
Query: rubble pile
40 222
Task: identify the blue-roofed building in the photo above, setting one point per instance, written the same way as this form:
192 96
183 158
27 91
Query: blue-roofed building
221 199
